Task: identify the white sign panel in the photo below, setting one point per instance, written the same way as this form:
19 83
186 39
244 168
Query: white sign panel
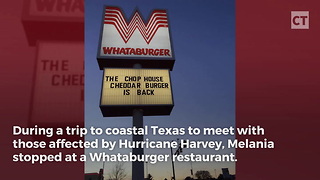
136 87
58 83
135 37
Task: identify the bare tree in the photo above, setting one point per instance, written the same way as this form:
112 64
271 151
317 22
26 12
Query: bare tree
118 172
150 177
203 175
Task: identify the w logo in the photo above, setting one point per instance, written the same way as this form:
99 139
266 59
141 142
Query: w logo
114 16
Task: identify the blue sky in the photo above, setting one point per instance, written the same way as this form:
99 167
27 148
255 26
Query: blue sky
203 77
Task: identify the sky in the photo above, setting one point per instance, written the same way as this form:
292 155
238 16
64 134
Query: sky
203 77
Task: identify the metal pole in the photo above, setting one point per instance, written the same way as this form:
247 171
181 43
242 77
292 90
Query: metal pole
103 170
137 118
174 174
137 167
147 170
191 170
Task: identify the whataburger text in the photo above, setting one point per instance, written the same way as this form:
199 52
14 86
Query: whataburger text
136 51
154 158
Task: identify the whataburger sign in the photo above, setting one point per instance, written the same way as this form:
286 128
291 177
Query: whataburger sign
135 40
125 42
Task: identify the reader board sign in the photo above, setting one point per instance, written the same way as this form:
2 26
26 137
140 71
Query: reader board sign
58 93
127 41
126 89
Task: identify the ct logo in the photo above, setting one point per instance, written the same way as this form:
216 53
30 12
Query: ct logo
300 19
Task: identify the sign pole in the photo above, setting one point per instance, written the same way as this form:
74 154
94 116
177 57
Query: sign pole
137 167
137 121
